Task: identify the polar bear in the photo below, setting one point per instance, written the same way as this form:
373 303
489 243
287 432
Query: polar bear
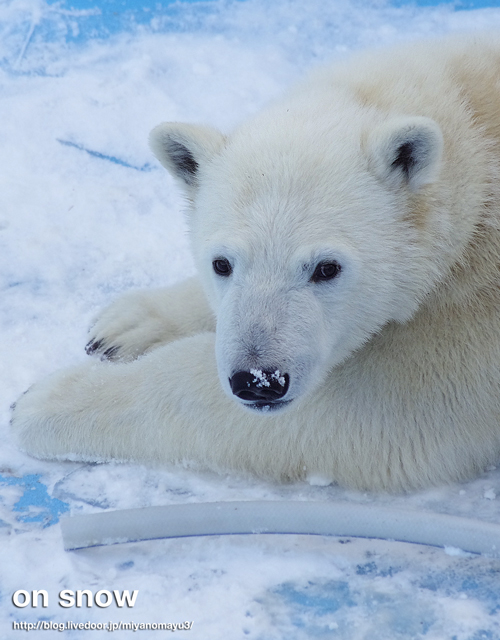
346 318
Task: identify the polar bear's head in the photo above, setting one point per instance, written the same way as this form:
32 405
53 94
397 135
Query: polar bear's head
304 238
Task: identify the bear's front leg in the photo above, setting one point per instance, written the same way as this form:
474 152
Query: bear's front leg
166 407
140 321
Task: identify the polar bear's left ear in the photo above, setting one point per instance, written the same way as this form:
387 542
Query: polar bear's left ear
406 151
182 148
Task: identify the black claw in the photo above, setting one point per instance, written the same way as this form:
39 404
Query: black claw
109 353
93 346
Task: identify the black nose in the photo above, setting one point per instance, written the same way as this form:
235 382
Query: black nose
258 386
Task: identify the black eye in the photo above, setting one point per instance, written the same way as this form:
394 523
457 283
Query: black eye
326 271
222 267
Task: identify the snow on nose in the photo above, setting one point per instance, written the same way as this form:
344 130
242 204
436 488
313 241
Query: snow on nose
257 385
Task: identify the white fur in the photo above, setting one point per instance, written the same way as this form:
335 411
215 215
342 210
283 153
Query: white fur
388 166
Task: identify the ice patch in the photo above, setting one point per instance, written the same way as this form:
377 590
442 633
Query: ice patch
35 504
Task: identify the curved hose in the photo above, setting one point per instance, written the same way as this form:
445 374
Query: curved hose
316 518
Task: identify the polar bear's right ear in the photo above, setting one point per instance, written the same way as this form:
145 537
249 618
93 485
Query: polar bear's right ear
182 148
406 150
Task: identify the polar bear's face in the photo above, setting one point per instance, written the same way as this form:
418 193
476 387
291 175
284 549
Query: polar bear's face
303 243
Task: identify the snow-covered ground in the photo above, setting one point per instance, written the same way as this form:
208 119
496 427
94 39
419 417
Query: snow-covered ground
87 213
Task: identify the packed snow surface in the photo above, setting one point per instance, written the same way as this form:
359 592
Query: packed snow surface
87 213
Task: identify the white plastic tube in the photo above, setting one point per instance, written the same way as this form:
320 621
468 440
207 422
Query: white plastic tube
316 518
